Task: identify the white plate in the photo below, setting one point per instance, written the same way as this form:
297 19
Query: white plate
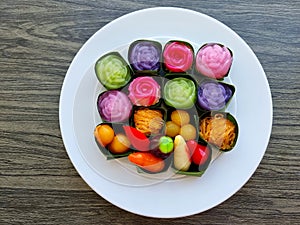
155 196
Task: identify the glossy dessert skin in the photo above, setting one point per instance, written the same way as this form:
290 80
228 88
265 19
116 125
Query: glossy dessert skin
180 93
213 95
178 56
145 56
213 60
144 91
114 106
112 71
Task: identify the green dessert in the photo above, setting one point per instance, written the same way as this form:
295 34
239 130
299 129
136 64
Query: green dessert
180 93
112 71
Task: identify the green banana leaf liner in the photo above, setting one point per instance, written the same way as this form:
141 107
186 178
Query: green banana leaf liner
126 78
153 107
139 70
183 70
227 116
195 70
196 170
202 110
171 76
118 128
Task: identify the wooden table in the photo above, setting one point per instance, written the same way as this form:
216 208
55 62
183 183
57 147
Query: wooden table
38 183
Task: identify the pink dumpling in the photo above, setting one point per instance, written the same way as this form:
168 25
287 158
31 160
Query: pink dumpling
214 60
144 91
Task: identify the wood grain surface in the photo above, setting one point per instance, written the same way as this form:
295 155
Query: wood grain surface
38 40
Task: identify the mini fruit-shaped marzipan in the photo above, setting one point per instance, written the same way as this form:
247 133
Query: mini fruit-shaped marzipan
182 156
104 134
201 154
138 140
162 146
147 161
120 144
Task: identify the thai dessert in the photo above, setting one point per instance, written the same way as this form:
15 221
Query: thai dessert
112 140
213 95
147 161
162 146
145 55
163 108
180 93
219 131
180 124
144 91
148 121
114 106
213 60
178 56
191 157
112 71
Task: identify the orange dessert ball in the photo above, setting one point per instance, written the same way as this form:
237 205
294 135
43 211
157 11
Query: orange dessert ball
104 134
120 144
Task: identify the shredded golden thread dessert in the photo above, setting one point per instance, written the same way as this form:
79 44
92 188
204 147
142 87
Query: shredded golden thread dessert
218 131
148 121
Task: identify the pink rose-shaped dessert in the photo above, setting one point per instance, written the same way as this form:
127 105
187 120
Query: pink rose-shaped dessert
214 60
144 91
178 56
114 106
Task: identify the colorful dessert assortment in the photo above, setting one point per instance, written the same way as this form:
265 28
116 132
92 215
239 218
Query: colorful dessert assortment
114 106
180 93
144 91
145 56
213 60
165 108
214 95
178 56
112 71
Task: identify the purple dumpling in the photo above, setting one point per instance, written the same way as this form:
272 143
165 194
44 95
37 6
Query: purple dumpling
145 55
213 95
114 106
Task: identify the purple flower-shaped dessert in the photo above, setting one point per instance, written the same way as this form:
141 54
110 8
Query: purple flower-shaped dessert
145 55
114 106
213 95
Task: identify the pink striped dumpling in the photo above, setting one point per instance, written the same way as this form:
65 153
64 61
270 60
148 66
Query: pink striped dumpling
214 60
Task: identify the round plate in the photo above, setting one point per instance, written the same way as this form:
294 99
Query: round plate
153 196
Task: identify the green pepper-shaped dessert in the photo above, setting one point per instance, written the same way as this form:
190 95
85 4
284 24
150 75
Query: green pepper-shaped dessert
112 71
180 93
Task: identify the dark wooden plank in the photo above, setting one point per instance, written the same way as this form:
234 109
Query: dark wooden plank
38 183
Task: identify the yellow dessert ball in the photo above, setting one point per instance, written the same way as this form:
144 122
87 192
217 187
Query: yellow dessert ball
172 129
188 132
180 117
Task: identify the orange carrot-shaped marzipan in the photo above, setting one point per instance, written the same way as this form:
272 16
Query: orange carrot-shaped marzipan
147 161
